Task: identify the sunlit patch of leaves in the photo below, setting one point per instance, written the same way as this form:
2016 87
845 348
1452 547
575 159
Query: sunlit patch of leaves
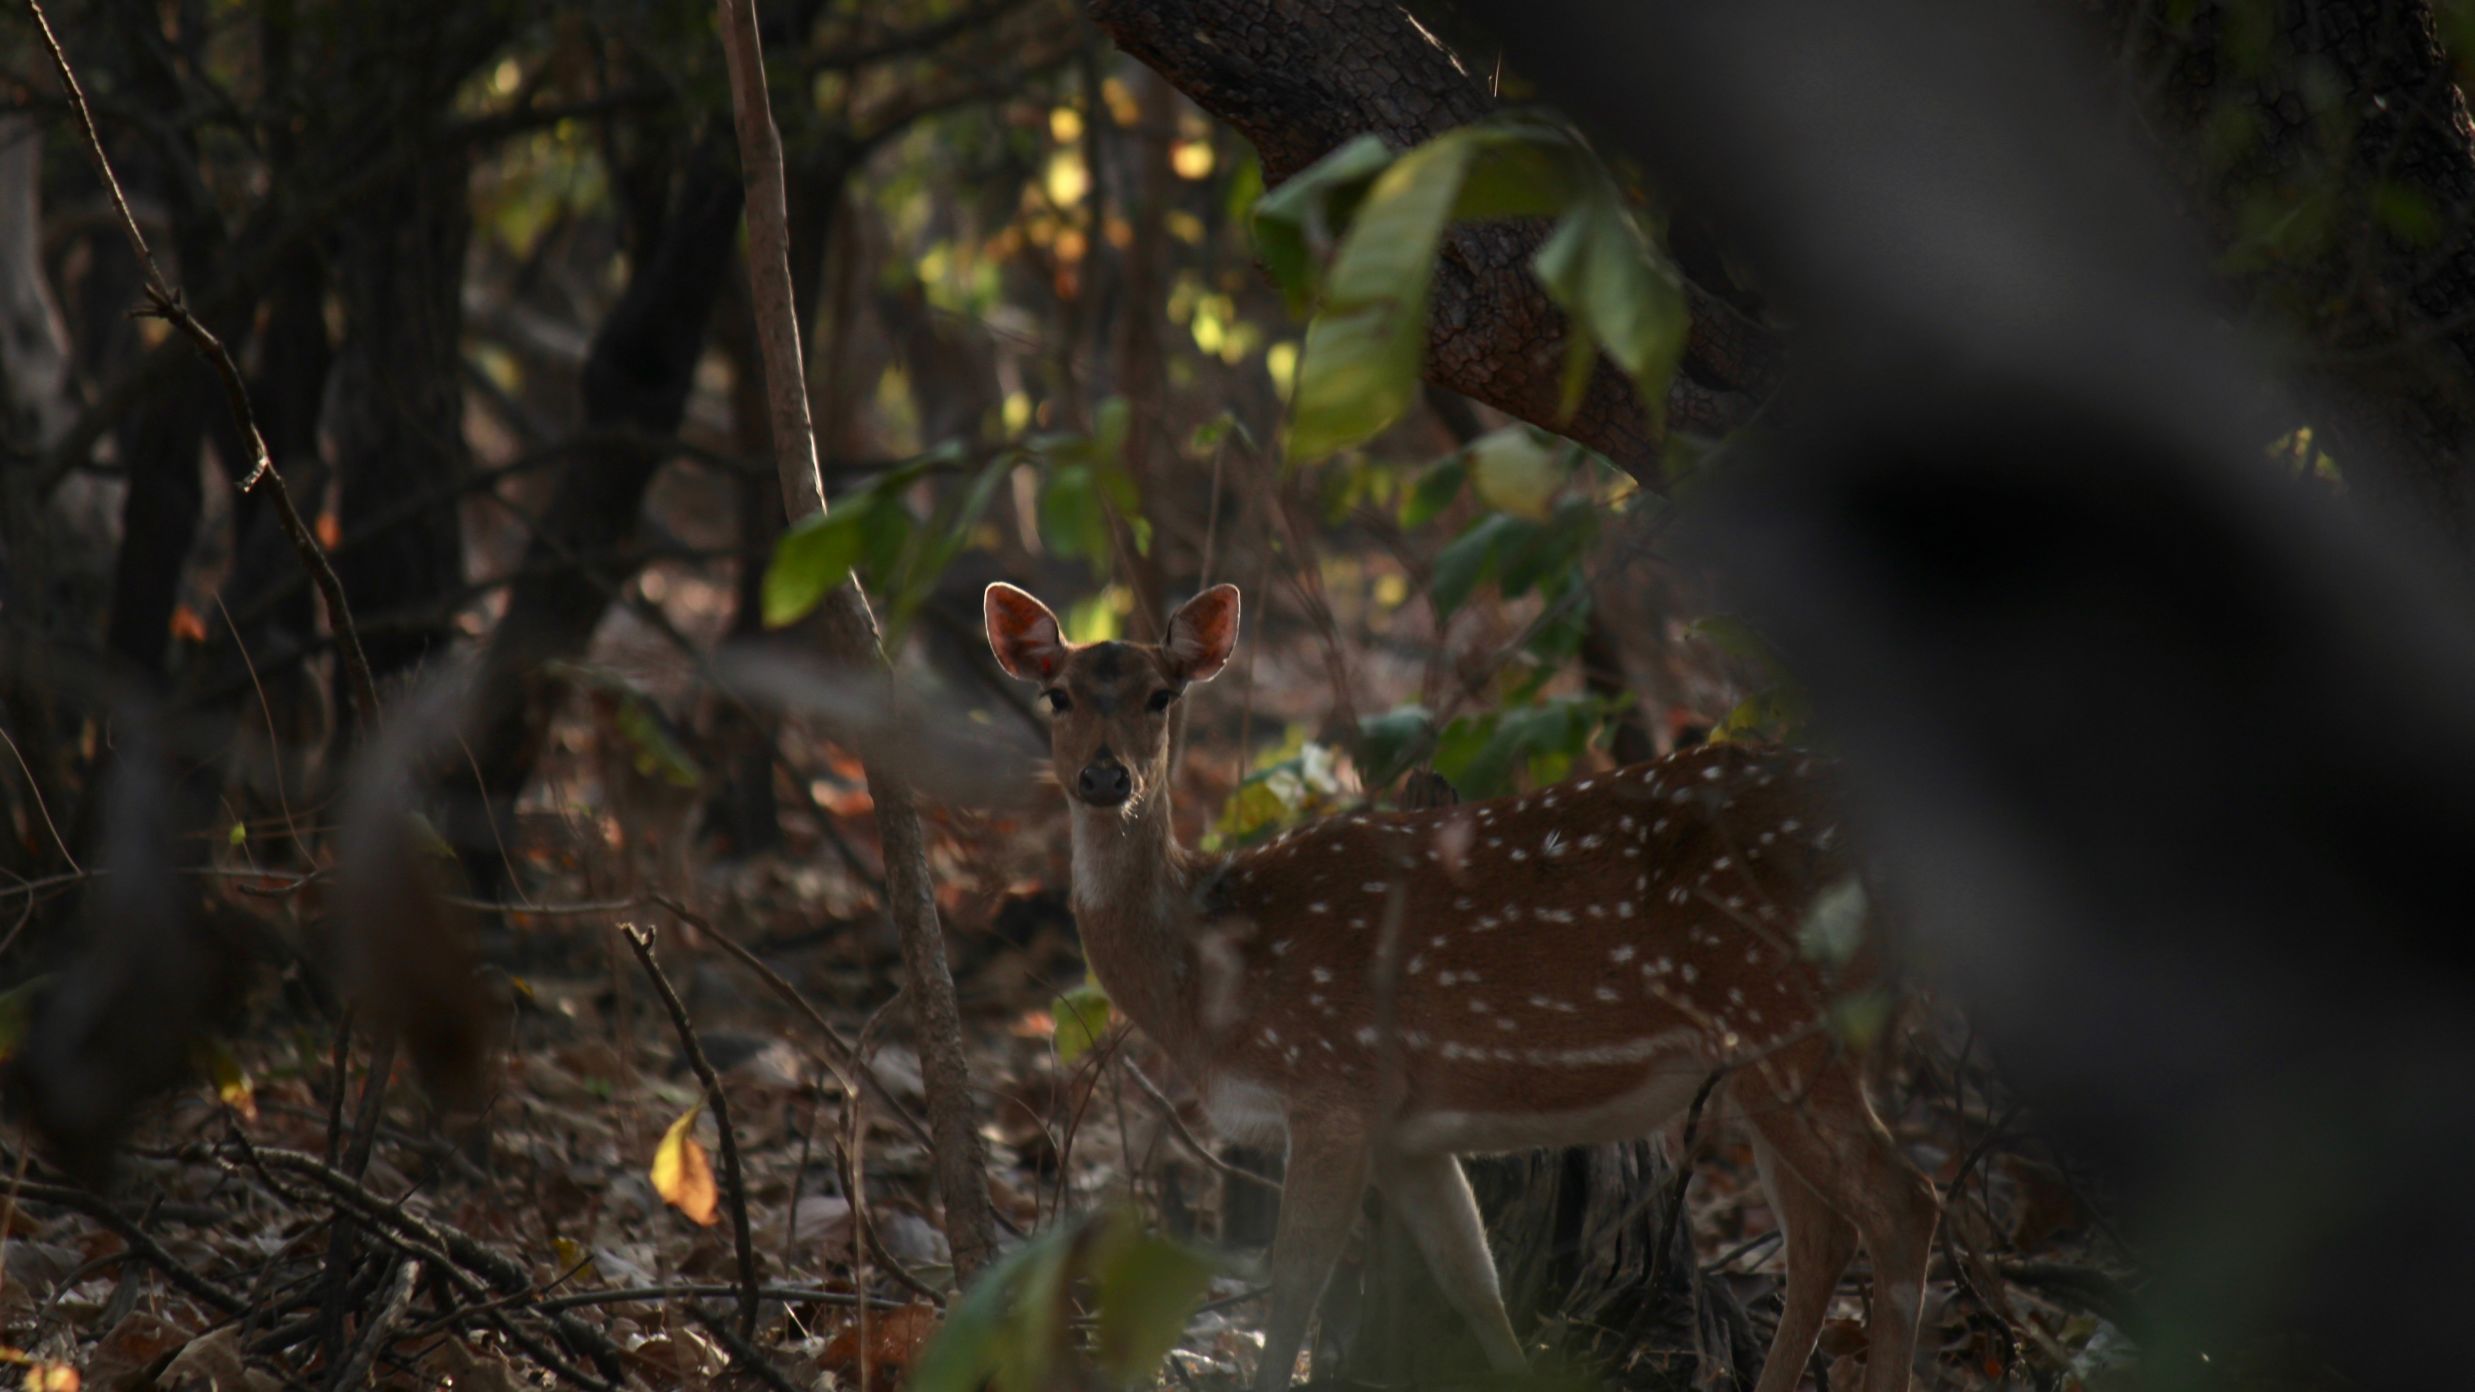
1296 781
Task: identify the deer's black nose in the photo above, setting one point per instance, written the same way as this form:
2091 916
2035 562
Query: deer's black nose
1104 784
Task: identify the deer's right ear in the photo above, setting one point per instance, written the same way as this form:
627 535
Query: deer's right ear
1023 634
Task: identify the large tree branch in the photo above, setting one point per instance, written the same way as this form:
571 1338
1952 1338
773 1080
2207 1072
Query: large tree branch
1299 79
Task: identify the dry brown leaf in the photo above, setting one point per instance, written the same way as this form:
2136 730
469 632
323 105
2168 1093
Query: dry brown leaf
895 1338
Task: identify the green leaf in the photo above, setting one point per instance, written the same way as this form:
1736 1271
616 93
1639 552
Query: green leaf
1435 490
1072 523
1470 559
1082 1020
1620 297
811 559
1148 1288
965 1350
1290 221
238 835
653 746
1517 470
1389 743
1834 926
1522 169
1360 370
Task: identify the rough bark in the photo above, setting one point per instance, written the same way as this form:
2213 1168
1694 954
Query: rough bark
1298 80
2348 108
850 634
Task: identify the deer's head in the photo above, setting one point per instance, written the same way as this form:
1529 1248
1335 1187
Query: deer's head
1109 703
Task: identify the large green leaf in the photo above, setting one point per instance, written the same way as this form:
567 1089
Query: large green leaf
811 559
1148 1287
1360 369
1518 470
1389 743
1082 1020
1308 209
1620 298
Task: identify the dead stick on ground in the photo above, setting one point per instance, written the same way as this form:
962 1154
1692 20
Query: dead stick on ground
734 1183
165 303
851 633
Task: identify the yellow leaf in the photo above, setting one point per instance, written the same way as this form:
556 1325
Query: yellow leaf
682 1175
571 1255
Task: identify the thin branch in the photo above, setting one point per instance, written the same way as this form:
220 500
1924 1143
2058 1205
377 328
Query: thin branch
163 302
734 1182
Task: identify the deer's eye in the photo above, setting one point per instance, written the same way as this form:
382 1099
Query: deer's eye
1058 700
1162 699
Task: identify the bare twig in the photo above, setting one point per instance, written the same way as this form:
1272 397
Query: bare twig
734 1184
164 302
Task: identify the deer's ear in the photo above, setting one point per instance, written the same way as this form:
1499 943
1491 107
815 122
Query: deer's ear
1023 634
1202 633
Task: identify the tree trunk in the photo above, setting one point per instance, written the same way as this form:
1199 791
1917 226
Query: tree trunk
399 420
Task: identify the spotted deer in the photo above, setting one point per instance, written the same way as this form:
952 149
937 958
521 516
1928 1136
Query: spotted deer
1396 990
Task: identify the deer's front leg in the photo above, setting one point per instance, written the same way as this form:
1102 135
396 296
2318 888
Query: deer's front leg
1319 1203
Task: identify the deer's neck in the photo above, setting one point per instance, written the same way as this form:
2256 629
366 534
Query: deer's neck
1132 901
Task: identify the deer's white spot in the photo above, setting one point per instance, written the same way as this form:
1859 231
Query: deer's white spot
1722 863
1479 1007
1374 886
1520 854
1322 975
1710 773
1686 973
1505 1022
1553 845
1606 993
1621 953
1366 1034
1446 978
1624 908
1280 947
1584 785
1319 906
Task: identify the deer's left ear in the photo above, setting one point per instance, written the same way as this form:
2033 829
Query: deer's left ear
1202 634
1023 634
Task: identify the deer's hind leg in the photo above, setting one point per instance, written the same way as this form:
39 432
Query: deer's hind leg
1431 1194
1810 1110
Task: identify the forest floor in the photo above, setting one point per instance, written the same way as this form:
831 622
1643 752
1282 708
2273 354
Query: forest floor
208 1264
